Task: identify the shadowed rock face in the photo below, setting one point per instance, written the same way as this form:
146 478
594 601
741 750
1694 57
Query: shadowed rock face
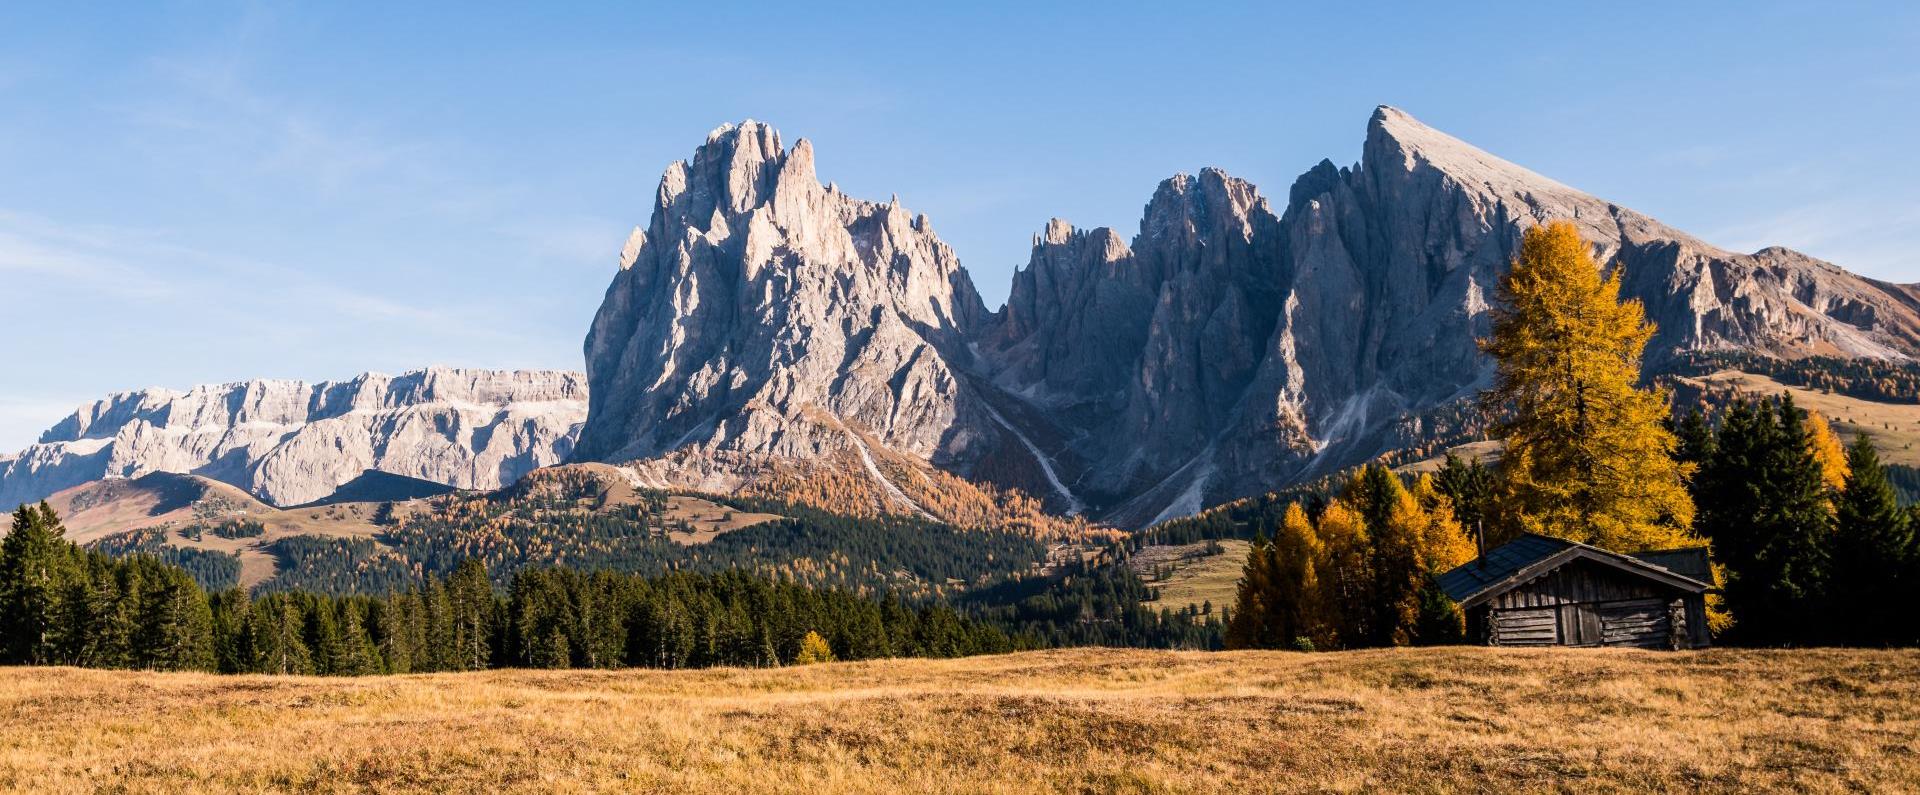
1227 349
290 442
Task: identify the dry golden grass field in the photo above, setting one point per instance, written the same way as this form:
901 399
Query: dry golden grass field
1433 720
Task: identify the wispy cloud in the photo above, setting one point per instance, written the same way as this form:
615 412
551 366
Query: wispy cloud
164 278
22 418
206 112
89 256
1863 236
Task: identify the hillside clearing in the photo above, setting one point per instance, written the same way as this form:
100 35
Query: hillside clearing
1455 719
691 520
176 502
1486 452
1198 579
1895 427
183 504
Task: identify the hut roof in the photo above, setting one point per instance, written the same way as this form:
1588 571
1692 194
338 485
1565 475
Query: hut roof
1521 560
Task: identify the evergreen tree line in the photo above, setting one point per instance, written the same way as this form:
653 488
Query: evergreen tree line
64 605
1095 602
61 604
1813 545
1884 380
1906 482
213 570
1361 573
524 528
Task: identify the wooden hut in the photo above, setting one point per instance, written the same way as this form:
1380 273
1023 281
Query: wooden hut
1542 591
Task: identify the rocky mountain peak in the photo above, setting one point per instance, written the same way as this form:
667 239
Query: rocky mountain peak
1185 206
1397 140
757 286
1226 349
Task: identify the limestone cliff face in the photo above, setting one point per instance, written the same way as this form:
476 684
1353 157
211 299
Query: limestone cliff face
290 442
1146 352
763 316
1225 349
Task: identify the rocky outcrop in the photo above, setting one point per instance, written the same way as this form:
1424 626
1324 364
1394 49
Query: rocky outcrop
290 442
763 316
1227 349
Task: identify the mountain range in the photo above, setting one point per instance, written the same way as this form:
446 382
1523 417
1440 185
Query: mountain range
762 321
768 334
290 442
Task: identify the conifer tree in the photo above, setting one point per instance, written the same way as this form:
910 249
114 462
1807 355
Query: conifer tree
359 655
234 651
470 600
1766 508
1828 452
1872 545
395 626
176 625
1443 545
1695 437
1444 539
321 632
1295 552
441 652
1253 624
33 579
1588 454
813 649
1469 485
92 634
1345 575
278 629
768 656
1394 526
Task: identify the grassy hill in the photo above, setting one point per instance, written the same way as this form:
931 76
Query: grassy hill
1895 427
1192 575
197 522
1090 720
184 513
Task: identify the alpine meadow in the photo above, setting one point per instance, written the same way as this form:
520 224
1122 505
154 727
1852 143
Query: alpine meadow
487 462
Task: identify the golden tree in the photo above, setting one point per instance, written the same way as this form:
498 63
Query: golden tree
813 649
1828 451
1588 457
1344 576
1444 544
1296 549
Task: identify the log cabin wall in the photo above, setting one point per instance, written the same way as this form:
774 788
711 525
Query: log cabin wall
1587 604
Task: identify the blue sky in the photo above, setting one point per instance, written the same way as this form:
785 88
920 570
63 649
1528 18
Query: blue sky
209 192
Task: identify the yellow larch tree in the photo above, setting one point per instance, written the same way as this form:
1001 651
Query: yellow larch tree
813 649
1444 544
1828 451
1345 577
1296 549
1588 457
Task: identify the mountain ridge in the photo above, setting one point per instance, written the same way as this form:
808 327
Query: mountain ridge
768 334
1228 348
290 442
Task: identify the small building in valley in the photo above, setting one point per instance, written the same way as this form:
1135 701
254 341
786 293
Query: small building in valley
1542 591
